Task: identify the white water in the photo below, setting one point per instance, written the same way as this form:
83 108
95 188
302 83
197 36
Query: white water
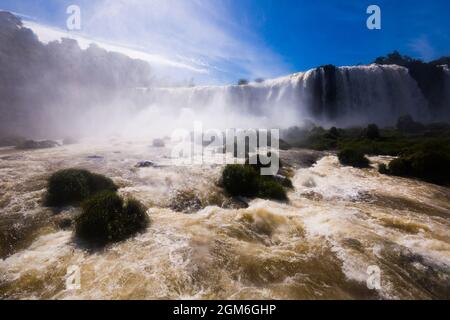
364 94
338 222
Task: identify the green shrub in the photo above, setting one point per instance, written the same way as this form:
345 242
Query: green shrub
354 158
245 180
106 218
71 186
428 165
400 167
372 132
240 180
270 189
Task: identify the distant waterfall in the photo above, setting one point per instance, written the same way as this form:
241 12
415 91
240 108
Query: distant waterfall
328 95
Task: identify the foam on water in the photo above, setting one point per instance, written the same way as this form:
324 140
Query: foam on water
338 222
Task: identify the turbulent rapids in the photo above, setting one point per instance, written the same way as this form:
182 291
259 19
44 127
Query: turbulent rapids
319 245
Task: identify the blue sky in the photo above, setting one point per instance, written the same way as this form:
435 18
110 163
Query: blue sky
220 41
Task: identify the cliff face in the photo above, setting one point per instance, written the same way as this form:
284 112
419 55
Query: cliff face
42 87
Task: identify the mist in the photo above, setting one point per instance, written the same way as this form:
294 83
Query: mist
59 89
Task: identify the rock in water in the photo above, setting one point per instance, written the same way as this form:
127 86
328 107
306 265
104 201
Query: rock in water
31 144
145 164
159 143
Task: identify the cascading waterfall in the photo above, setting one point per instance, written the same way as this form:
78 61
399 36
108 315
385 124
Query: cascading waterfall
327 95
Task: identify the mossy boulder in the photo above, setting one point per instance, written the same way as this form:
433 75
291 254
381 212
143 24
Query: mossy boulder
353 158
245 180
72 186
107 218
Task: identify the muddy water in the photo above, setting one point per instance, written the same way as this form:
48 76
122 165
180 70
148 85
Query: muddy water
338 222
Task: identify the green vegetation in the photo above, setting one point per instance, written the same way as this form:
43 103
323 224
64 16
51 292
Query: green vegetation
240 180
429 162
371 140
107 218
245 180
354 158
373 132
71 186
423 150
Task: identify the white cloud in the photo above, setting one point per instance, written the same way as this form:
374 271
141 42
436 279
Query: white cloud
204 34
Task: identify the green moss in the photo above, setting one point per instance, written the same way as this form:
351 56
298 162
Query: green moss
107 218
71 186
354 158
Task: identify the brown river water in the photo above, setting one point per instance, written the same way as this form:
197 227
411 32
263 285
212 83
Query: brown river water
338 222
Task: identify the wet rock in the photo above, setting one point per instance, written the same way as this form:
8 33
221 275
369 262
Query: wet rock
284 181
300 158
159 143
69 140
234 203
11 158
284 145
32 144
145 164
95 157
10 141
311 195
185 201
65 222
354 244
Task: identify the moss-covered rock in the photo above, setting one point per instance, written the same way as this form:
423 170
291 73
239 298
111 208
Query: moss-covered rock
107 218
72 186
354 158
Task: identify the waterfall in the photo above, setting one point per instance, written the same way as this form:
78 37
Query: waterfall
329 95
